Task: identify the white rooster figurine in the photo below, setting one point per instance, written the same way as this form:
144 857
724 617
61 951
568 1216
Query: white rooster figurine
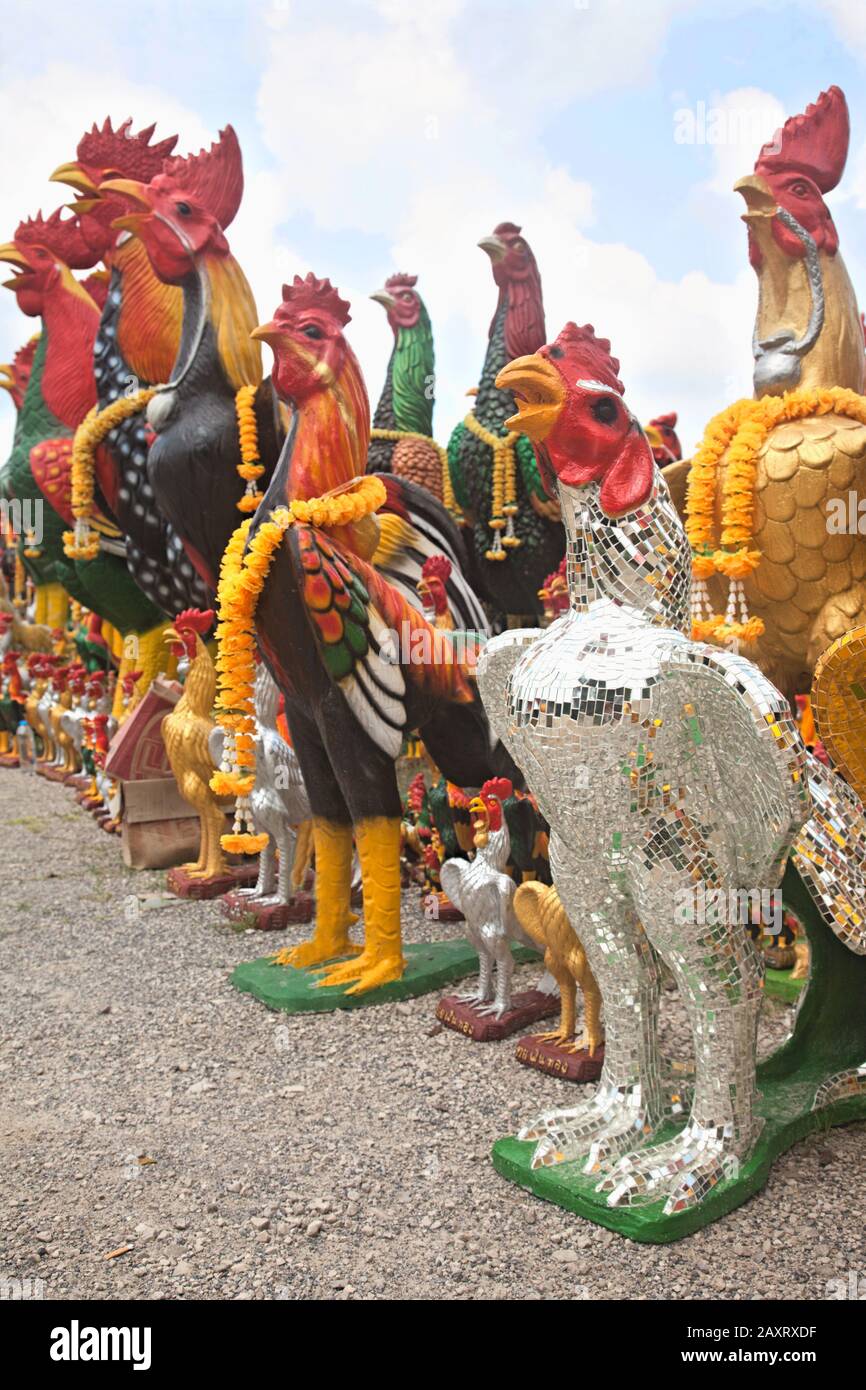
278 800
484 892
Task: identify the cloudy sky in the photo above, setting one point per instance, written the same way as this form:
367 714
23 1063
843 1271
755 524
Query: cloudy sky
387 134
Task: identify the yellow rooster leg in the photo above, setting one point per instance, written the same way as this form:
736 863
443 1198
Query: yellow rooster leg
382 958
303 854
4 741
333 844
52 605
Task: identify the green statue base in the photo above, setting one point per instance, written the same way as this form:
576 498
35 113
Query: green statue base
809 1083
429 967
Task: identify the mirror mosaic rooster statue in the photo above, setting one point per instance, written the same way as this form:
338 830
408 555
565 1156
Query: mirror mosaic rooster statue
692 776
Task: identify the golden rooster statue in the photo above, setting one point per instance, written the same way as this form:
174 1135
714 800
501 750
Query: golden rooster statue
777 563
186 731
542 916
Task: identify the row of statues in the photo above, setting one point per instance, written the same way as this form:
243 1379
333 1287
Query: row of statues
599 646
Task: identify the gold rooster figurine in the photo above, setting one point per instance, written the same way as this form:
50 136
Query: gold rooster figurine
541 915
185 732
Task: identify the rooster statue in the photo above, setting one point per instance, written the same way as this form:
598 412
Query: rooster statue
401 440
482 890
136 344
280 809
186 731
181 221
359 666
774 565
514 525
60 392
665 442
539 910
691 773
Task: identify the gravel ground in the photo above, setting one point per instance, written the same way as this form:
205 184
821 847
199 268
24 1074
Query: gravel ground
332 1156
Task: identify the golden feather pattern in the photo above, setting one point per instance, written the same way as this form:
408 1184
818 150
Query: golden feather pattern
809 586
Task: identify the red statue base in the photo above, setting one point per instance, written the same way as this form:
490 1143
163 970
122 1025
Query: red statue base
463 1017
559 1059
8 760
179 882
269 916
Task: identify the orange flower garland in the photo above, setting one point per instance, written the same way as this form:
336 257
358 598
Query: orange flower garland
250 468
243 572
741 429
82 543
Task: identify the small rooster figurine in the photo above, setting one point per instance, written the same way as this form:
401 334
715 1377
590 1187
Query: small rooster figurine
692 770
539 910
186 731
484 893
664 440
278 801
435 573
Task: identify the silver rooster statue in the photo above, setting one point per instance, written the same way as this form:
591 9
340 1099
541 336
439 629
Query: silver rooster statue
666 768
484 892
279 798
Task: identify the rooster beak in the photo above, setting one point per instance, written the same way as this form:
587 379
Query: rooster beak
384 298
171 634
653 437
7 379
758 196
540 394
9 252
494 246
130 188
74 177
83 205
137 193
269 333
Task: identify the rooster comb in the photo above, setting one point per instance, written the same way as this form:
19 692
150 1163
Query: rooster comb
500 787
436 567
310 293
814 143
103 147
591 355
401 281
59 235
195 618
213 178
669 420
507 229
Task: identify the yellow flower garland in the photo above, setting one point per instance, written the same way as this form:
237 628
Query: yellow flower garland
741 429
250 467
243 572
448 498
503 503
83 543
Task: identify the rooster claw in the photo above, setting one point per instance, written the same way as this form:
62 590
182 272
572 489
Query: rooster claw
363 974
314 954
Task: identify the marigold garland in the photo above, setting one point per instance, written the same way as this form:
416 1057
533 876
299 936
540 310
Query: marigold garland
503 507
448 498
741 430
243 571
82 543
250 467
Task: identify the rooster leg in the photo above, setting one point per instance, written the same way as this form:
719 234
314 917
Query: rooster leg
382 958
501 1002
719 977
568 1001
288 842
483 991
333 844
